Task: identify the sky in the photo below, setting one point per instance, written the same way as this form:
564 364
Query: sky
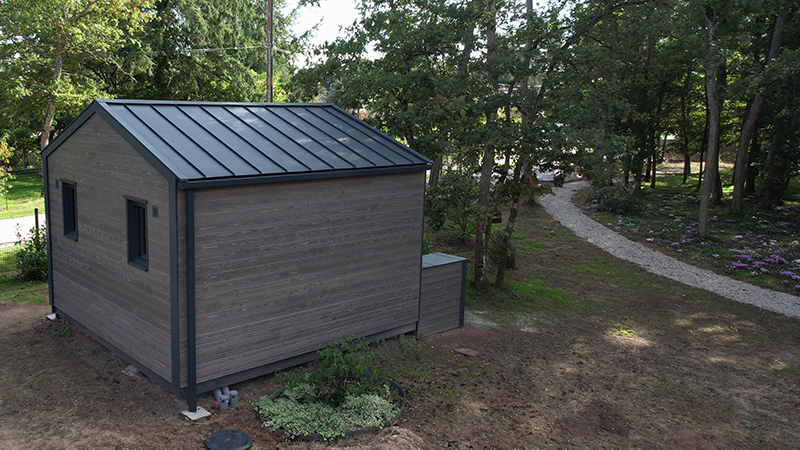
330 14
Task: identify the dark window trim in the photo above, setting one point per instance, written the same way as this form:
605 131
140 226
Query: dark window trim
136 219
69 207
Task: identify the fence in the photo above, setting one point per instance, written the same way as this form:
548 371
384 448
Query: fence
21 210
12 232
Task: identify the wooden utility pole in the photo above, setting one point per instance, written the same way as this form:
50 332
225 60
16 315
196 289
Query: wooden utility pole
269 51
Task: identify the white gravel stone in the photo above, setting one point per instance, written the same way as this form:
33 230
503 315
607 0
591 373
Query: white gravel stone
561 209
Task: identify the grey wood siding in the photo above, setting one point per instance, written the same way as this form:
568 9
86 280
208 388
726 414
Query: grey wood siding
441 307
284 267
92 280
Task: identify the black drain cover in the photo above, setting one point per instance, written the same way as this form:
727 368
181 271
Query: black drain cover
229 440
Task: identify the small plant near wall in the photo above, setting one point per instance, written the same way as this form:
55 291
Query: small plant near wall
337 397
31 257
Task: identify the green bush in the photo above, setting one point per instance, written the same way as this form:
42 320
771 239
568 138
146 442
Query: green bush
453 200
331 399
337 363
616 199
31 258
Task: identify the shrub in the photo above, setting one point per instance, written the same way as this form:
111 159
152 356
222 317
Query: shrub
453 200
331 399
31 258
616 199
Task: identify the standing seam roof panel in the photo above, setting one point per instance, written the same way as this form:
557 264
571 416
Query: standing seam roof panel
331 137
207 165
197 131
174 160
324 146
284 142
220 142
353 146
235 141
258 141
394 151
302 138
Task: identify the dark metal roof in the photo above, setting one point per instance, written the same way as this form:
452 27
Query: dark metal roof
204 144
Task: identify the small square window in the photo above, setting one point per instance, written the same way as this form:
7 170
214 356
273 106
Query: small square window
70 208
137 232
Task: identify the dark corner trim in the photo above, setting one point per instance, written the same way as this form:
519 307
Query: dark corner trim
463 292
174 288
46 183
191 332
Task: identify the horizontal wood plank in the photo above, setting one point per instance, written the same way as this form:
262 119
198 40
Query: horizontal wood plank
286 267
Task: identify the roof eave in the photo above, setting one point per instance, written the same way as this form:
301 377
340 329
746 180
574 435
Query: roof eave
301 176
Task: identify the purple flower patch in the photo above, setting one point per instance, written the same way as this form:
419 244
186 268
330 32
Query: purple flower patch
738 265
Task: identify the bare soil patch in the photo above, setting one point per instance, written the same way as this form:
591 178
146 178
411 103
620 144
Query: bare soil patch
594 353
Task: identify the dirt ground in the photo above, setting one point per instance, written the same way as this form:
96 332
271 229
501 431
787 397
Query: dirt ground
597 354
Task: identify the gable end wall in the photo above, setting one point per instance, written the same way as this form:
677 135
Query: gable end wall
92 280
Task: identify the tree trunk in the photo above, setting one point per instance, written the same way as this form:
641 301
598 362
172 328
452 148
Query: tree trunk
52 96
703 146
436 170
749 126
712 94
755 147
506 244
687 167
765 188
716 193
484 226
626 170
684 128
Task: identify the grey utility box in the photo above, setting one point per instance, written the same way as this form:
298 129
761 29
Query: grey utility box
443 293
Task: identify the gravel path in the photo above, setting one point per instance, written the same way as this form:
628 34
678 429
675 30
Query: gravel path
561 208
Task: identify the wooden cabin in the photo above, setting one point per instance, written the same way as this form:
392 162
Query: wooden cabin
210 243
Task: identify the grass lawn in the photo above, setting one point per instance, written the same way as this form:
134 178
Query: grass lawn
24 196
12 290
761 247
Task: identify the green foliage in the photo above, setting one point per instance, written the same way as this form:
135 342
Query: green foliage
63 331
318 418
339 363
495 251
210 50
427 246
57 47
331 399
454 201
5 170
92 349
616 199
31 257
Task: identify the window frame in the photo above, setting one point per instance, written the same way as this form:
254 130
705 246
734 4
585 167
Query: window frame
136 225
69 208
